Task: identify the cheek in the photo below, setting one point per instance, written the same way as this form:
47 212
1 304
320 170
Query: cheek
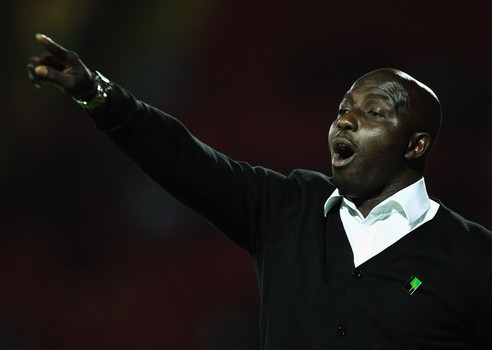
385 147
332 132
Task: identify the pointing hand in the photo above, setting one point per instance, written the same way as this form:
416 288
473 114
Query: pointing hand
62 67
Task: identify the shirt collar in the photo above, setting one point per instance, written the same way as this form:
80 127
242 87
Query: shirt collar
413 200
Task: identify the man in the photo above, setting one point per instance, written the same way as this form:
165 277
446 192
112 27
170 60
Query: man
362 260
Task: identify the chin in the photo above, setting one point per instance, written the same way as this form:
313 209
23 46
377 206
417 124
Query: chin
349 188
342 184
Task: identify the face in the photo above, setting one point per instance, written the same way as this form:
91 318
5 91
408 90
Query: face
368 139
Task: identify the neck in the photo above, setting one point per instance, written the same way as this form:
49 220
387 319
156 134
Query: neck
365 205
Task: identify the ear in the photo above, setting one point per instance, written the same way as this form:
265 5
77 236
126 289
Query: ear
418 146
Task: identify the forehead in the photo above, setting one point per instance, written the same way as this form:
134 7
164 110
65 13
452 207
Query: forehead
382 87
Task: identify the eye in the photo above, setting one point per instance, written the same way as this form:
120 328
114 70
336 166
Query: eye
342 111
373 113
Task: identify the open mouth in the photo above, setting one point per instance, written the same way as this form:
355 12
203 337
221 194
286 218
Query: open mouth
343 153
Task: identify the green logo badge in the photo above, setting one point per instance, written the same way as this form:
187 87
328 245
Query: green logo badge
412 285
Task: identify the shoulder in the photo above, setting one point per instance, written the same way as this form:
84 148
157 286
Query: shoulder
312 178
314 186
305 184
472 231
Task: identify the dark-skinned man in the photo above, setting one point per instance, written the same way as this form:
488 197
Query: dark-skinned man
361 260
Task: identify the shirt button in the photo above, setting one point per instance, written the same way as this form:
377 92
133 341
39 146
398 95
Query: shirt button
342 332
357 274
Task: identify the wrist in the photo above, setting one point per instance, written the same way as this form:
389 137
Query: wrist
98 96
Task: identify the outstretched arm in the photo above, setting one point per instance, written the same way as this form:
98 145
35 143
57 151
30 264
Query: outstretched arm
235 197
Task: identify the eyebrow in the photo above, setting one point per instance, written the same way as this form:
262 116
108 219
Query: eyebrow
348 96
372 95
378 96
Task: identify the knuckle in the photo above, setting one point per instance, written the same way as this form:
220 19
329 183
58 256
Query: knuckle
73 55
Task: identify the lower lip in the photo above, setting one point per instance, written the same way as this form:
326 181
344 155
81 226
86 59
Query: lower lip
338 162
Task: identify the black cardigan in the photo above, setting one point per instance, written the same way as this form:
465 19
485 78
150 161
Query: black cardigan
312 297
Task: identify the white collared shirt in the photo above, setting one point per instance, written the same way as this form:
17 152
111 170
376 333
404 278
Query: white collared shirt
388 222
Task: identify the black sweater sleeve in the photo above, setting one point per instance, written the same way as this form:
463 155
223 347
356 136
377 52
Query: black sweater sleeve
237 198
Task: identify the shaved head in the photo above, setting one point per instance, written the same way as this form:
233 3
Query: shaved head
411 98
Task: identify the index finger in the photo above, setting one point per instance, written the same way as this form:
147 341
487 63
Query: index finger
56 49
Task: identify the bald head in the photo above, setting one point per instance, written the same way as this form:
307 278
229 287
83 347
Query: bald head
412 99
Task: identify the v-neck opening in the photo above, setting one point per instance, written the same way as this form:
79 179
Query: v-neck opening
335 226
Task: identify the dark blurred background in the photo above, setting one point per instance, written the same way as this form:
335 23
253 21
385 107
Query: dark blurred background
93 255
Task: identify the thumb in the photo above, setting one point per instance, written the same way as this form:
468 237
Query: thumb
50 74
69 82
41 72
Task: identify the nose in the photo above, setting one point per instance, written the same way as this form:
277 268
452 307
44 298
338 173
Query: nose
347 121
